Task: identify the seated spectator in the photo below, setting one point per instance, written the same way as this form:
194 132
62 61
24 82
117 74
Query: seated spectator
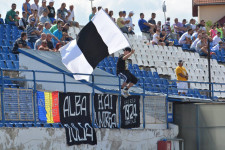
145 27
43 8
23 21
93 13
55 27
10 16
51 9
1 20
39 41
194 43
201 25
193 25
40 27
35 6
32 31
61 13
186 37
20 43
195 34
218 47
65 32
189 25
44 46
50 43
121 23
164 38
130 24
178 28
156 38
217 39
58 33
220 29
44 17
213 31
16 20
184 21
71 19
46 31
35 16
111 15
153 23
27 8
202 46
58 46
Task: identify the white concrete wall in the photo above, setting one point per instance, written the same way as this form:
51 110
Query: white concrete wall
108 139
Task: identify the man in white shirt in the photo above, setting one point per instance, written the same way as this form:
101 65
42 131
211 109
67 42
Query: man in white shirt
35 6
156 38
186 37
218 47
130 24
217 39
71 18
193 45
23 21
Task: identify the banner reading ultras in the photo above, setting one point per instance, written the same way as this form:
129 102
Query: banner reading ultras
130 112
105 110
75 117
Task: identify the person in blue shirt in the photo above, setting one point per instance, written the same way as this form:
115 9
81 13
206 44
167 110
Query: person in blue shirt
93 13
26 7
58 34
144 25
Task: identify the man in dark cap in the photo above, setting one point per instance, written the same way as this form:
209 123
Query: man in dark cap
124 73
182 75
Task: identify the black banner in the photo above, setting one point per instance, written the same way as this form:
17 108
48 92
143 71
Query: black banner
105 110
75 117
130 112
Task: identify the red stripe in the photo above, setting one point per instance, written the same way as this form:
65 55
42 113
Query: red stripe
55 107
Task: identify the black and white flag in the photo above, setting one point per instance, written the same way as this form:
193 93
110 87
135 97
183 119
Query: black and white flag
98 39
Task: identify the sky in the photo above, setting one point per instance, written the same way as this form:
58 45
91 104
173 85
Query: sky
181 9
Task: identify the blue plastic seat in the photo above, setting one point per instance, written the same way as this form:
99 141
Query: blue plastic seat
150 74
156 75
186 47
130 67
3 65
4 56
112 64
114 71
135 66
9 64
108 69
16 64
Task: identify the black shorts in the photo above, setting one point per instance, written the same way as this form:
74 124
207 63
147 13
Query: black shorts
127 77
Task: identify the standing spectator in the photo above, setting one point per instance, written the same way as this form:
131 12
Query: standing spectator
39 41
1 20
156 38
121 23
35 6
58 33
107 10
49 42
164 38
44 18
20 43
123 72
46 30
217 39
186 37
55 27
51 9
34 16
23 21
178 28
167 25
213 31
182 75
44 46
10 16
130 24
71 19
159 25
26 7
43 8
93 13
220 29
152 22
61 13
32 32
145 26
111 15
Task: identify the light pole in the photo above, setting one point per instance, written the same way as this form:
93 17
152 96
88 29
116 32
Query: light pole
164 9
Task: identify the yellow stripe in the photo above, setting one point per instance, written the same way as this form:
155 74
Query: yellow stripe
48 107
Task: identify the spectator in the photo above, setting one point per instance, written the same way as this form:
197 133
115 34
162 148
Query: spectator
26 7
34 15
35 6
152 22
182 76
186 37
58 46
184 22
44 18
99 8
217 39
18 13
58 33
23 21
213 31
51 9
164 38
50 43
178 28
156 38
16 20
218 47
43 8
145 26
159 25
93 13
46 30
202 46
44 46
130 24
189 25
32 32
65 32
111 15
71 19
1 20
195 34
220 29
61 13
55 27
121 23
224 31
107 10
193 26
202 25
10 16
194 43
39 41
20 43
167 26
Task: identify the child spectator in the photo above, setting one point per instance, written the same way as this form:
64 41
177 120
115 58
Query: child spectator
213 31
186 37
